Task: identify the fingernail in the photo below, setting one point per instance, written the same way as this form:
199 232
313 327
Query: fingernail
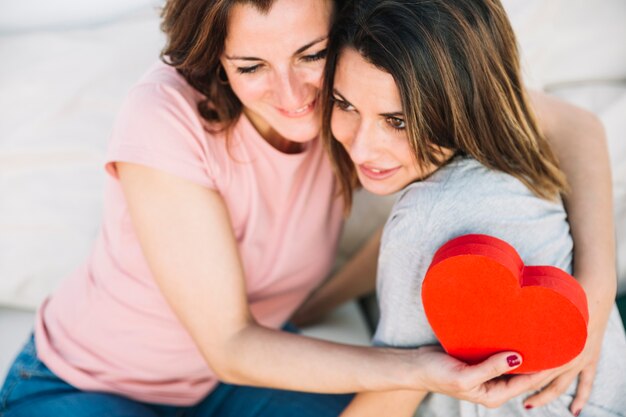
528 406
513 360
577 413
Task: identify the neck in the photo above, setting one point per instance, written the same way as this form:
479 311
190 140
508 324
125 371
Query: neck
271 136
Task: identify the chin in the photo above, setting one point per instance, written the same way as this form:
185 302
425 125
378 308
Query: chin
300 129
301 135
377 187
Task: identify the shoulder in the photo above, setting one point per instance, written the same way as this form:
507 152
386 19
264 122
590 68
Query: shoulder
159 126
465 197
162 107
466 189
444 195
162 92
163 75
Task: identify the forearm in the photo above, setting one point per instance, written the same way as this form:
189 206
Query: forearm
198 269
269 358
393 403
264 357
590 212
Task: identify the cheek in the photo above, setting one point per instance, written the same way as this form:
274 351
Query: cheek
248 90
314 76
405 155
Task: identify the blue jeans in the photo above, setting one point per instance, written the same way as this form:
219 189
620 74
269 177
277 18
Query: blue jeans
32 390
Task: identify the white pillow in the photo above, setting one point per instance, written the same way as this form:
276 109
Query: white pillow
26 15
566 41
60 93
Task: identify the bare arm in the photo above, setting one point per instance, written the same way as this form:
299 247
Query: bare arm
579 142
185 234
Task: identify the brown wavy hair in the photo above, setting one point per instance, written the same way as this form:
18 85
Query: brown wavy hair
196 31
456 66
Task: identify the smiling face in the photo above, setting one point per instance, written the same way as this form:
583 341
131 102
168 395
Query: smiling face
368 120
274 63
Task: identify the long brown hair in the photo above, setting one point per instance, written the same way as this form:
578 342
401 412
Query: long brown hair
456 66
196 31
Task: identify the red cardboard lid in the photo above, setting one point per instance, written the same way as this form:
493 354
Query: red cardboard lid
481 299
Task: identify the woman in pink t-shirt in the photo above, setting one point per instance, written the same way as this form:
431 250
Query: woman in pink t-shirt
221 217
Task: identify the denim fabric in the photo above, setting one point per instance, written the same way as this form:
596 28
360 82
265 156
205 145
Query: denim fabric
32 390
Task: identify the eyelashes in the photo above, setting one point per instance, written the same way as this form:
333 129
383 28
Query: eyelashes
342 104
395 123
306 58
248 70
315 57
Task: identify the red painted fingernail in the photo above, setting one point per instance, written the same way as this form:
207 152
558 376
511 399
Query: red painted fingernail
577 413
528 406
513 360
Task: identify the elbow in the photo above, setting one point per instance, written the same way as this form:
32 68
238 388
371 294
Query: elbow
229 373
227 358
227 368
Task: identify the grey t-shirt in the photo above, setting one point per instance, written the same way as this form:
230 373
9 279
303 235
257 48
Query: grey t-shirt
461 197
466 197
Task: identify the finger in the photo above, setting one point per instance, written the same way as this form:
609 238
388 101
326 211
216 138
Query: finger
553 390
551 374
432 348
490 368
583 391
501 390
544 378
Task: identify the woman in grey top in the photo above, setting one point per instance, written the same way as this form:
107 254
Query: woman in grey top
428 99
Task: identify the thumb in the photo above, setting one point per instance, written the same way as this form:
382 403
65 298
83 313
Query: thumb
494 366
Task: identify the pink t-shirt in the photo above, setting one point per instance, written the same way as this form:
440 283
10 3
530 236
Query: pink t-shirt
108 327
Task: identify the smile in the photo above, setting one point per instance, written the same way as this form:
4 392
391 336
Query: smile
299 112
377 173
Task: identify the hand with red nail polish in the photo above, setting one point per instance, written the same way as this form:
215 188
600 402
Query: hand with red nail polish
476 383
556 381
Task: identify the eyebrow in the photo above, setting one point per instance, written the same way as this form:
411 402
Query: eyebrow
392 114
299 51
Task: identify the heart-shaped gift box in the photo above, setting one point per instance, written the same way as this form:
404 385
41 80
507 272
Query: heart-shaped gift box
481 299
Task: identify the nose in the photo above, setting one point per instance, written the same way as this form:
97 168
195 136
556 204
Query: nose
362 147
290 89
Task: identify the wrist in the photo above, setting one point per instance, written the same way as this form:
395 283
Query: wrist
413 371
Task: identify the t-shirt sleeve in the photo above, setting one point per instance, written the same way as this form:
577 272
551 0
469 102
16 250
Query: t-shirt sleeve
158 127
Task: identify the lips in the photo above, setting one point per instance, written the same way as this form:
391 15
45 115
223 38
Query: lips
299 112
377 173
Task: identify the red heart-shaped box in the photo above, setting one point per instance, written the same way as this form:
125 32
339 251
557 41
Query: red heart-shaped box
480 299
